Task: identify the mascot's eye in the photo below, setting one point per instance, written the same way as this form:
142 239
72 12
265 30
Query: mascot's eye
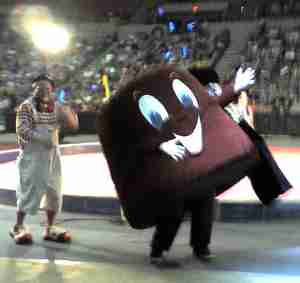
184 94
153 111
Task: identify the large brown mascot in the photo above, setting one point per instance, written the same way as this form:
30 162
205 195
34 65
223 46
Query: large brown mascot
168 143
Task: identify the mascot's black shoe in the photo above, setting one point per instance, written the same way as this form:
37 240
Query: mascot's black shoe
202 253
158 260
162 262
156 256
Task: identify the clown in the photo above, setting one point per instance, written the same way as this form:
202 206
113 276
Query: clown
38 121
170 148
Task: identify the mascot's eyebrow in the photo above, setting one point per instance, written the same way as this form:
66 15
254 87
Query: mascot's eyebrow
174 75
137 94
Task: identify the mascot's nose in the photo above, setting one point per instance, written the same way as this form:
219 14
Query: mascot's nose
193 143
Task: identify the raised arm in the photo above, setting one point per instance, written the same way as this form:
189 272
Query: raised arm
67 117
229 91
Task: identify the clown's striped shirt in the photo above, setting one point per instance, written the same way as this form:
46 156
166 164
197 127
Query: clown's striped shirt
28 118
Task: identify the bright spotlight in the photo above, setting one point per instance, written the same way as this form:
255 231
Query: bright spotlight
49 37
37 22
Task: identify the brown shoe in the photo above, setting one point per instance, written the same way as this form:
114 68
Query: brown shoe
57 234
21 235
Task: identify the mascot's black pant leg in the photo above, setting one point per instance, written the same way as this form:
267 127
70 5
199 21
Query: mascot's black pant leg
164 234
267 179
202 216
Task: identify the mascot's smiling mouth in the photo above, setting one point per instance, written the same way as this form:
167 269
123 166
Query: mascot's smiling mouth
193 142
156 114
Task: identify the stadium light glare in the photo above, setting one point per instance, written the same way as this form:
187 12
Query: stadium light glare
49 37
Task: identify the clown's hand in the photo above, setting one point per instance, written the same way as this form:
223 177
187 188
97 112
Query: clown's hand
173 149
43 136
244 79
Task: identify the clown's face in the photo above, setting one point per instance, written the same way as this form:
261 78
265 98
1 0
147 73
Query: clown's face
44 96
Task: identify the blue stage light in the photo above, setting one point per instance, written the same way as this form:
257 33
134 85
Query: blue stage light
172 26
184 52
160 11
191 26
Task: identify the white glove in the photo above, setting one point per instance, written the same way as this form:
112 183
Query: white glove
214 89
173 149
244 79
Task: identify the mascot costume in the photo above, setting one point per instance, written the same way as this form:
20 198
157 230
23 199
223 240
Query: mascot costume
208 77
171 147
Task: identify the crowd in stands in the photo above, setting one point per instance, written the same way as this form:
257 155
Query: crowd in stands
21 61
157 47
273 50
78 70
